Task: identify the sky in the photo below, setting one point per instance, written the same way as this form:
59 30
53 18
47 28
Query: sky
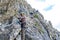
50 9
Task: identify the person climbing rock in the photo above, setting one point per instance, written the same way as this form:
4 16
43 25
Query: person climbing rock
22 19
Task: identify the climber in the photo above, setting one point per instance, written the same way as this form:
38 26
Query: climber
22 20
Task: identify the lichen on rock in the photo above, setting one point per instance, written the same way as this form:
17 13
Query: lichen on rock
37 28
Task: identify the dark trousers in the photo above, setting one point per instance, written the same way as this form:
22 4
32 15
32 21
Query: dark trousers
23 25
23 31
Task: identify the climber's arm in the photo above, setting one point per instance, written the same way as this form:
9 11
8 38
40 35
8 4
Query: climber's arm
19 19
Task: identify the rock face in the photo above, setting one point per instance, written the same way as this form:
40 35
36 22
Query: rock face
37 28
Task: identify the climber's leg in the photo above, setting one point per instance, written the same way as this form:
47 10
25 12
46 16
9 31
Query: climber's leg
22 32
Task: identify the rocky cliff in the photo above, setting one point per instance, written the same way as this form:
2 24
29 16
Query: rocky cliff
36 29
